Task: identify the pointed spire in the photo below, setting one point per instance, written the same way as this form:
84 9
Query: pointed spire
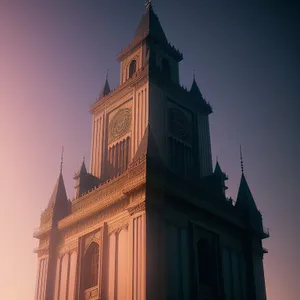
148 3
218 171
61 159
106 88
59 194
241 158
245 199
195 91
150 25
83 168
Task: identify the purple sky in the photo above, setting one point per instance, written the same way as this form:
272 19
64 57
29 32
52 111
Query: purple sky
53 61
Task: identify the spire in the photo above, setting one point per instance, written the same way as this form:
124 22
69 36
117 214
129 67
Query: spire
59 194
195 91
241 158
83 168
148 3
106 89
150 25
61 159
218 170
245 199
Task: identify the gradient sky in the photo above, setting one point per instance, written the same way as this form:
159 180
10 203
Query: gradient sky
53 61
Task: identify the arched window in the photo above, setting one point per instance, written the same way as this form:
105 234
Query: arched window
91 266
166 68
132 68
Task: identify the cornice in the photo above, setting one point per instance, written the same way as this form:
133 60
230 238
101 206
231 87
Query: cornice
101 198
106 195
121 91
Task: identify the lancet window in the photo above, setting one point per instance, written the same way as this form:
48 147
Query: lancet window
132 68
91 266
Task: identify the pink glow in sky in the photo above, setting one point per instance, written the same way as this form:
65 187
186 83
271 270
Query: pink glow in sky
53 60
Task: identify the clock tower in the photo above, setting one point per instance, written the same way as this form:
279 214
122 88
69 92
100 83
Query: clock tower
150 220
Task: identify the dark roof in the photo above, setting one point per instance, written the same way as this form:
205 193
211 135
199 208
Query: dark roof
59 193
195 91
105 90
82 170
218 171
150 25
245 199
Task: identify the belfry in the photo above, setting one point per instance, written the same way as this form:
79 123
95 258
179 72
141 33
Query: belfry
150 219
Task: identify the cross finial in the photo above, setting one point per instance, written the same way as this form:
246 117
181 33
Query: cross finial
61 159
241 158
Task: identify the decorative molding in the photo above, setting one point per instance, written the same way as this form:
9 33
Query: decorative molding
120 124
91 294
118 226
138 207
94 236
68 249
121 91
97 218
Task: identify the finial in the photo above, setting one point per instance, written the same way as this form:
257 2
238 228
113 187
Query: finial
148 3
61 159
241 157
217 158
106 74
194 76
83 159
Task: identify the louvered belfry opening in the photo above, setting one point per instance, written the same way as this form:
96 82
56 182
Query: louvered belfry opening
118 156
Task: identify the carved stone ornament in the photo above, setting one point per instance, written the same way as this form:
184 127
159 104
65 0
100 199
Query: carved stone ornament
98 218
91 294
137 208
117 227
69 248
120 124
92 237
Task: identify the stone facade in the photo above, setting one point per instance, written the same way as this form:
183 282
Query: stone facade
151 219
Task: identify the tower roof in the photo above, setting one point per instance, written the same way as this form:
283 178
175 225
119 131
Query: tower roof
82 170
218 171
245 199
195 91
105 90
59 194
150 25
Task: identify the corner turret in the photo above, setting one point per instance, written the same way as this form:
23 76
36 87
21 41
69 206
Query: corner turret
220 178
84 181
105 90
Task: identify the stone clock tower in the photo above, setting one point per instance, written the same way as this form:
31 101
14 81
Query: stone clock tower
151 219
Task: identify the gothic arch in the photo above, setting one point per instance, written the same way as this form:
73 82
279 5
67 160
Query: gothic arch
132 67
91 261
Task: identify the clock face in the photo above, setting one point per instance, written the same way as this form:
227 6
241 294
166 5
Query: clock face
120 124
179 124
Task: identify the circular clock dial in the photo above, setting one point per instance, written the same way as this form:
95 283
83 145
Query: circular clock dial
120 123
